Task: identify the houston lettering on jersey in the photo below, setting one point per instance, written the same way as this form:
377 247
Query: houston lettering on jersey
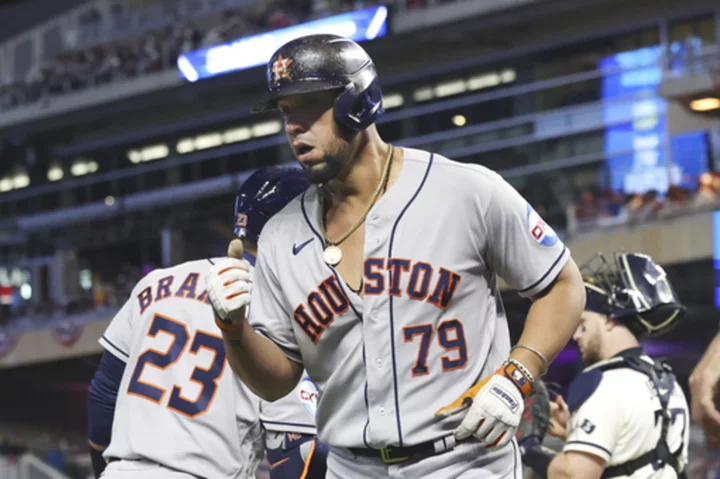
162 290
419 278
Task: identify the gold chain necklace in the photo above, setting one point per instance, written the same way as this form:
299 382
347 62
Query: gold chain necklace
333 254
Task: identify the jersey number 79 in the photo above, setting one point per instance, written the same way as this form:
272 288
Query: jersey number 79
205 377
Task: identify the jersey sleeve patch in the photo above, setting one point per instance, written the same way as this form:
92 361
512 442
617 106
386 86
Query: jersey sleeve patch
540 231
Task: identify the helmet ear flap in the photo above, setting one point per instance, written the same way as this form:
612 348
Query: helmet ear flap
357 110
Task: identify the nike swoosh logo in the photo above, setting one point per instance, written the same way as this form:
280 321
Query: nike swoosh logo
296 249
276 464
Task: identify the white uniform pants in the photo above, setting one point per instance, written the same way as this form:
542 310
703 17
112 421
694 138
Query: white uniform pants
468 460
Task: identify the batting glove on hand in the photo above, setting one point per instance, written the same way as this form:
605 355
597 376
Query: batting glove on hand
229 288
494 407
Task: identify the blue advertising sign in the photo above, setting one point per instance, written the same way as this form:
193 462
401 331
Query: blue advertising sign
637 151
256 50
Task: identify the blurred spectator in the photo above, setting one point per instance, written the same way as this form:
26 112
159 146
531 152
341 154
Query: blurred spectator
706 194
587 206
608 206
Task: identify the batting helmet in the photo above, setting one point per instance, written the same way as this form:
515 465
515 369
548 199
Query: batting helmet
263 194
316 63
634 290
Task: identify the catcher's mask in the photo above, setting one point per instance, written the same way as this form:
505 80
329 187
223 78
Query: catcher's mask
635 291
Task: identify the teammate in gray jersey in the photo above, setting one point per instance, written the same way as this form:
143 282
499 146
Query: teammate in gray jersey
625 415
292 450
380 281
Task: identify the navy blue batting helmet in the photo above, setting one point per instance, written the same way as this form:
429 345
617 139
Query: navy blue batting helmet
316 63
263 194
634 290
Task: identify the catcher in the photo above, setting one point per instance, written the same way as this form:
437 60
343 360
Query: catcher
625 415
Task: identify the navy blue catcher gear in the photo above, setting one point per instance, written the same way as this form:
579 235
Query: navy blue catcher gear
316 63
263 194
634 290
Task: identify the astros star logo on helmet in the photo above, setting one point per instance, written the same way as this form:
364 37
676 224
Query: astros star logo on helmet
280 68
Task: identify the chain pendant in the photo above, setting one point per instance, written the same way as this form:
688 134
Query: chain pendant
332 255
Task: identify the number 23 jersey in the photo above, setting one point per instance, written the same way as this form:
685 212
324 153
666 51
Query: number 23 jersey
179 404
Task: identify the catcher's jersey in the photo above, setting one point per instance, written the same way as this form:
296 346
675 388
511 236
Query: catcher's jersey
179 404
620 421
296 411
427 326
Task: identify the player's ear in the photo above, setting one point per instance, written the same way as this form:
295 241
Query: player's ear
609 324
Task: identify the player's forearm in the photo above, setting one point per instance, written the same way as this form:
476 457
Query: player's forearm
552 319
260 363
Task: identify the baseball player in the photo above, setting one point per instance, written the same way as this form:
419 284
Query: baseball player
625 415
293 451
178 411
379 280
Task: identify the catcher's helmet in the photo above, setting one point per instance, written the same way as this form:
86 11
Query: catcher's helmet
634 290
323 63
263 194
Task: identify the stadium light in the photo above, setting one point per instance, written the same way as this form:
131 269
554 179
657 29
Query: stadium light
393 100
423 94
134 156
236 135
186 145
208 140
705 104
154 152
91 166
79 168
109 200
26 291
21 180
266 128
55 173
486 80
6 184
449 88
459 120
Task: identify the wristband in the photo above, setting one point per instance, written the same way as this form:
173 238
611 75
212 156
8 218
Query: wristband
519 376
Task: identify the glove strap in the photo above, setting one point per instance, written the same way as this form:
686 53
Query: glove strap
519 376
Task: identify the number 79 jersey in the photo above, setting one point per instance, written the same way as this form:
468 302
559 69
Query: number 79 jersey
179 404
429 322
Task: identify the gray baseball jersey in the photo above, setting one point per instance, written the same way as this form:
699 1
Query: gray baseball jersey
427 326
296 411
619 421
179 405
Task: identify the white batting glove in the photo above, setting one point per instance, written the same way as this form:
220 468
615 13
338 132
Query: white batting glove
494 407
229 289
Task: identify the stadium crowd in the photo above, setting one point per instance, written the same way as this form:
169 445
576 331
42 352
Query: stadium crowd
101 300
608 206
158 50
